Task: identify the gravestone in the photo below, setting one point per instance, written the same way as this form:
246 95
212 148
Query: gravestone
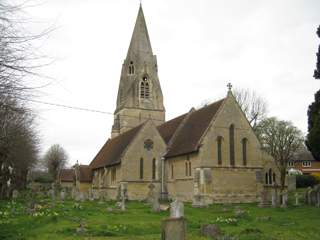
307 196
284 198
291 179
173 229
155 204
151 193
15 194
176 209
210 230
62 195
312 197
296 196
264 198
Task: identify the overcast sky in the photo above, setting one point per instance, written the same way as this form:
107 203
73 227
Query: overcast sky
268 46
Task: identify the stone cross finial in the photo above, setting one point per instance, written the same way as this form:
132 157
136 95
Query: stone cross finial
229 86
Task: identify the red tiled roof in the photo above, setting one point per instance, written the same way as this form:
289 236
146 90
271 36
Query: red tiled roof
110 154
187 138
66 175
85 173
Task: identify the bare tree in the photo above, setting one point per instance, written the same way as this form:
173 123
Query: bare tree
55 159
281 140
254 107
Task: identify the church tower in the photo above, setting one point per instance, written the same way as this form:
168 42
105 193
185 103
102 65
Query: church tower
139 94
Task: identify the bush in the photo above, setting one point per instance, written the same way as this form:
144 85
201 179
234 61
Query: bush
304 181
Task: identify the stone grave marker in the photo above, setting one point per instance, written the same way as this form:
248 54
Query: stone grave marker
296 196
264 198
62 195
210 230
284 197
15 194
176 209
173 229
274 198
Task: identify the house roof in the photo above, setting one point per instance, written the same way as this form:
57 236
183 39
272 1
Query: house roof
111 152
66 175
303 155
187 137
85 173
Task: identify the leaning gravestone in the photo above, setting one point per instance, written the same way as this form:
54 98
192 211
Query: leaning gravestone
307 196
284 197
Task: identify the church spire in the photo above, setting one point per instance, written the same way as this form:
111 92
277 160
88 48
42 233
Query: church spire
140 42
139 94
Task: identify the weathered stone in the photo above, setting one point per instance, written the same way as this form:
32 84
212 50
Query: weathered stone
15 194
291 179
173 229
62 195
155 204
284 199
210 230
176 209
296 196
264 198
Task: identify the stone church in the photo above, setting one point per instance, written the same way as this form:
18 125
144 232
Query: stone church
206 155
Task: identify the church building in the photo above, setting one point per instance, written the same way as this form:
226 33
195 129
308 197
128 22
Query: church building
206 155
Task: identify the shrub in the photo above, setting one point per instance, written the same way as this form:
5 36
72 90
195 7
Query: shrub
304 181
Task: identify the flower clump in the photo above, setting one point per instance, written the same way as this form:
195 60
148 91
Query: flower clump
232 221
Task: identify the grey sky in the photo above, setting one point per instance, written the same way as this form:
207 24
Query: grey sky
267 46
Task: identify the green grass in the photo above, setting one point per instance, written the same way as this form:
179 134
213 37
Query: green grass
60 221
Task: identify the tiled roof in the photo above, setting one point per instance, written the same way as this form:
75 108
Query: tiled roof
66 175
110 154
168 128
303 155
187 138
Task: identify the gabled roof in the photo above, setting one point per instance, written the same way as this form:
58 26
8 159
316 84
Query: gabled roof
186 140
66 175
111 152
303 154
85 173
168 128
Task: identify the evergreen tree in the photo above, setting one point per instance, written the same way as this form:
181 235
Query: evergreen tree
313 137
316 74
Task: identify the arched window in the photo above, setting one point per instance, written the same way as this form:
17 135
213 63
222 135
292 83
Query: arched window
274 177
172 171
270 176
154 169
219 150
231 143
131 68
141 168
244 151
145 88
266 179
186 165
190 169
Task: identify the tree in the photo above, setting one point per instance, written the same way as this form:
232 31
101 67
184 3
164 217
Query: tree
313 137
316 74
18 147
254 107
281 140
55 159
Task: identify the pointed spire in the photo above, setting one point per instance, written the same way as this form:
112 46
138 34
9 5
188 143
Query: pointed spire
140 42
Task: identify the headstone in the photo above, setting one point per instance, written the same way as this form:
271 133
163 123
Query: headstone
62 195
264 198
291 179
155 204
176 209
199 201
296 196
307 195
151 193
210 230
15 194
284 196
173 229
312 197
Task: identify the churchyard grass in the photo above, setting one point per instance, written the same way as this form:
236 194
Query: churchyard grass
61 220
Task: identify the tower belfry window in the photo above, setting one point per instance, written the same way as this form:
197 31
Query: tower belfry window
131 68
145 88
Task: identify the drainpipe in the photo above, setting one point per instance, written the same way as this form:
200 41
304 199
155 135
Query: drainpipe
163 193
